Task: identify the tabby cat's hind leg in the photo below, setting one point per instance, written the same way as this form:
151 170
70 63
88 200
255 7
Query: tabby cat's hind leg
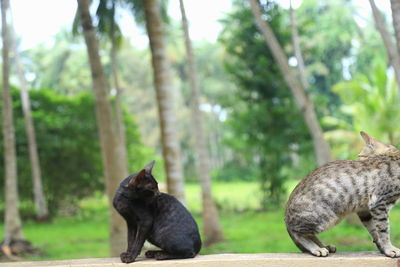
307 244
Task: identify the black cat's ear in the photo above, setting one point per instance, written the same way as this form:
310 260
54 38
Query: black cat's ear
149 167
136 178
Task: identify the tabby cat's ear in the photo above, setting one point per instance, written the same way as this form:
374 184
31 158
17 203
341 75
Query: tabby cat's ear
149 167
370 141
366 137
136 178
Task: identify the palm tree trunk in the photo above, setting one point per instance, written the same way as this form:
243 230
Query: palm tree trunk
212 227
169 140
112 160
393 55
395 6
297 49
12 220
321 147
42 212
119 115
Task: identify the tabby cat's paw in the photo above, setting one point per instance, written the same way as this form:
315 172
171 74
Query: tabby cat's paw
331 248
392 252
320 252
127 257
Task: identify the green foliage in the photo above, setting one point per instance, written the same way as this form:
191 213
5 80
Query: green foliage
230 197
68 144
234 171
214 80
327 30
107 25
368 47
137 8
69 72
373 102
214 84
268 130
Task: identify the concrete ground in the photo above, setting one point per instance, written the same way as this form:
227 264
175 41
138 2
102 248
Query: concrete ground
340 259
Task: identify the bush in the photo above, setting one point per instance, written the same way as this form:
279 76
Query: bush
68 144
234 171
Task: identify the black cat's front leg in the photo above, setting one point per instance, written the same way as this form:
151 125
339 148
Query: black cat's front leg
137 244
127 256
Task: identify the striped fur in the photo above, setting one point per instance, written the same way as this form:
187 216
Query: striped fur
369 186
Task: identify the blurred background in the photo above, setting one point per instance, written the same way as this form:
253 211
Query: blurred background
235 100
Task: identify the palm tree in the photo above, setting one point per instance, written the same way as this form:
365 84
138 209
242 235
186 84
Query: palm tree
296 46
395 6
42 212
321 147
12 221
212 227
112 160
108 26
393 54
169 140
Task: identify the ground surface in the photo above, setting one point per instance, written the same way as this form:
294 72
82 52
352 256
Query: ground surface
343 259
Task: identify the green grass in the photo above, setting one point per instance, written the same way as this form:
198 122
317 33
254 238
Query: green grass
253 232
238 196
86 235
66 238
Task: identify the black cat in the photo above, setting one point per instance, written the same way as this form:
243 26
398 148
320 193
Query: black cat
157 217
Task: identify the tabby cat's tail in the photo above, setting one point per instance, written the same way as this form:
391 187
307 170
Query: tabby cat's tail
300 246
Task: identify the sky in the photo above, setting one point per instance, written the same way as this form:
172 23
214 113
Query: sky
37 21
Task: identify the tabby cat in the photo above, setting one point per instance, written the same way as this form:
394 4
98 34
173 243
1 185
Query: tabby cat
369 186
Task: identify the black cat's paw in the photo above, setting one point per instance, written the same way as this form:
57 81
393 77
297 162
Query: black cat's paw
157 254
127 257
160 255
151 254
